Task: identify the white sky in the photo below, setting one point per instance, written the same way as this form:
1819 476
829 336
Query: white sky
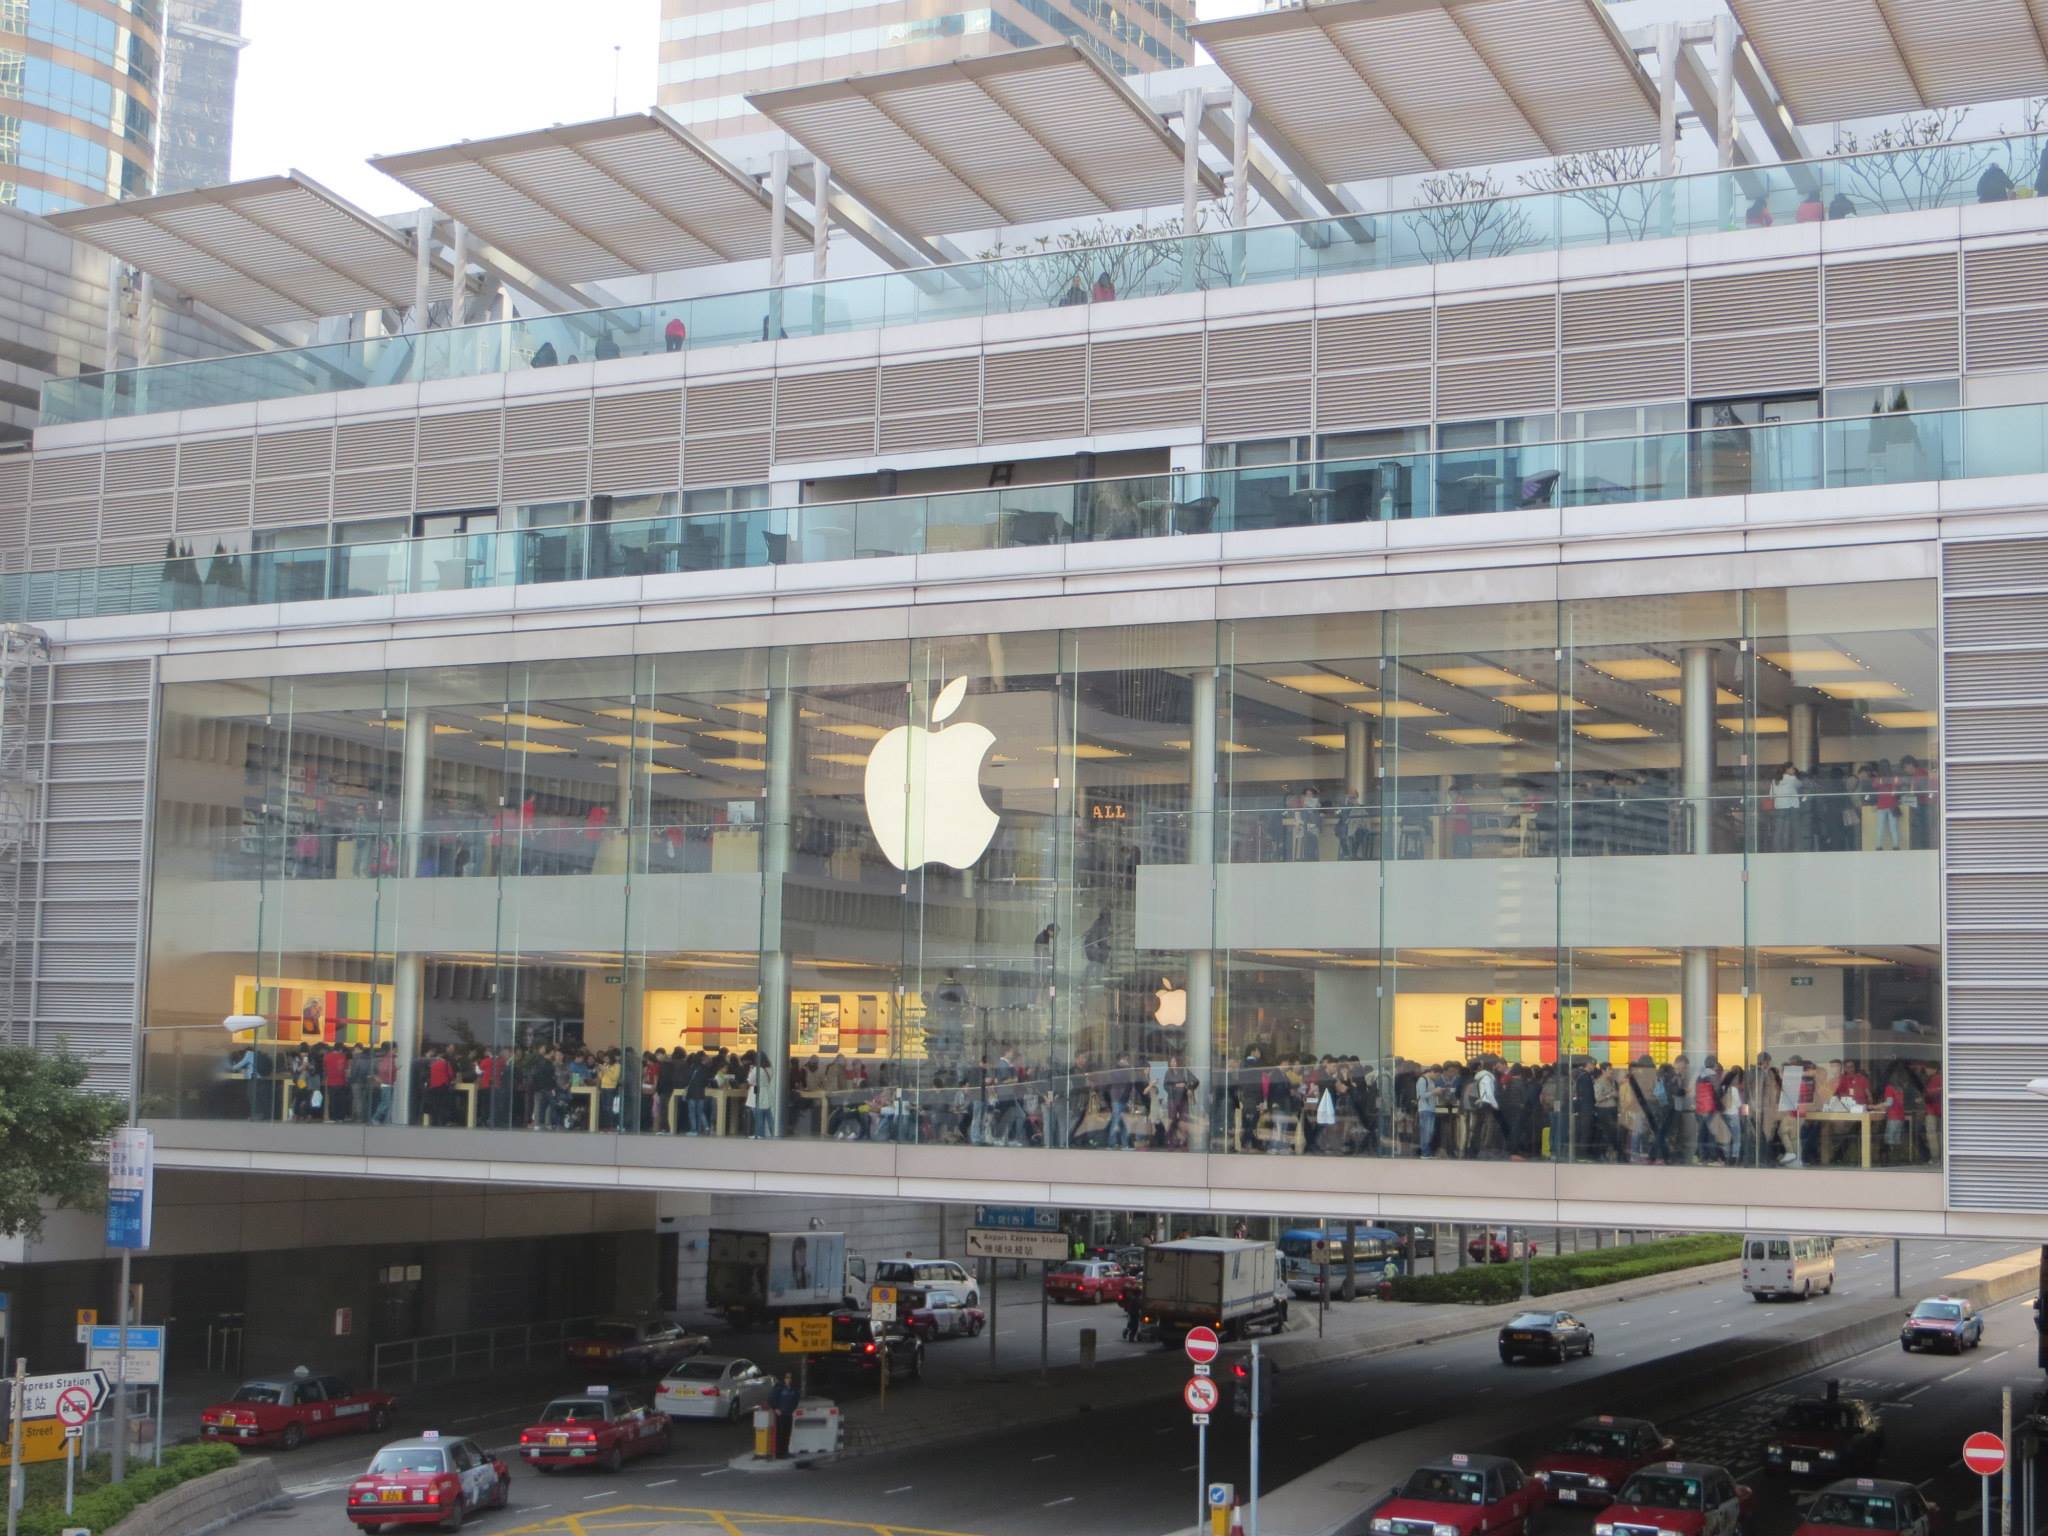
324 86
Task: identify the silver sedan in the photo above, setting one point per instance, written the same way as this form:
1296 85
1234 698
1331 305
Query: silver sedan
713 1387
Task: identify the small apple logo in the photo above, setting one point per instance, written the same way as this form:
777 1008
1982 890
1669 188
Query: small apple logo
923 789
1173 1005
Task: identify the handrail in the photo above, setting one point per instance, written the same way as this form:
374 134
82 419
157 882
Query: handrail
1882 448
1873 182
450 1354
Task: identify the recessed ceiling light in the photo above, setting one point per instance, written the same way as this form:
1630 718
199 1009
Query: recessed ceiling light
1763 725
1476 677
753 764
650 766
1221 746
1863 688
1540 703
1087 749
1722 696
1904 719
647 714
1635 669
638 742
517 744
398 724
1822 660
1329 741
843 759
1474 736
1615 730
1393 709
854 729
526 722
743 738
1319 682
755 707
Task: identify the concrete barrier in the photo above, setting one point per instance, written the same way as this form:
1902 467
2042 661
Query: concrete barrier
206 1503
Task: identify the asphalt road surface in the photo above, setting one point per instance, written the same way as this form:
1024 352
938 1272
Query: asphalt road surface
1133 1470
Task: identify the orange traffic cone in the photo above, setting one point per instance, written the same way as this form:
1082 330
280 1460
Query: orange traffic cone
1237 1520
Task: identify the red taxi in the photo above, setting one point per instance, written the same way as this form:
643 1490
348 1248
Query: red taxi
1593 1458
1497 1247
1089 1280
602 1428
1866 1504
290 1409
428 1481
646 1346
1826 1436
1679 1498
1462 1494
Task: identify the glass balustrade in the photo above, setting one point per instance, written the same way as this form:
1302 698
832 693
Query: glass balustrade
1811 191
1887 448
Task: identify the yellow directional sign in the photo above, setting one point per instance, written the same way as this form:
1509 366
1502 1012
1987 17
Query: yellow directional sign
804 1335
41 1440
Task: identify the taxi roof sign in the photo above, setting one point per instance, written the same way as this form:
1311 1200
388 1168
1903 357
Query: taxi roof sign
1864 1482
1458 1459
430 1434
597 1391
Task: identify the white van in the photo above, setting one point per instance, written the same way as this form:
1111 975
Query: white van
1787 1266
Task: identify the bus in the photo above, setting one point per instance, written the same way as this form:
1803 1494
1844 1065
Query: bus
1305 1252
1787 1266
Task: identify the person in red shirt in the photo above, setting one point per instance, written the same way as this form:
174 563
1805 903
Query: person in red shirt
672 336
440 1105
1930 1093
1894 1117
1854 1085
1886 785
334 1082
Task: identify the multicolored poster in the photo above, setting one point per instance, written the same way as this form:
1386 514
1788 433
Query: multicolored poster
1618 1030
331 1012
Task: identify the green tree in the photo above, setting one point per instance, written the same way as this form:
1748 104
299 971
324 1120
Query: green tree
52 1128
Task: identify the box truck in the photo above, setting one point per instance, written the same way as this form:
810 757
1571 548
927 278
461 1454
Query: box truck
753 1276
1226 1283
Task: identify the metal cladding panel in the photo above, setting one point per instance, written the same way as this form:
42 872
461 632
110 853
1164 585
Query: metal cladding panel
883 165
1305 85
1833 59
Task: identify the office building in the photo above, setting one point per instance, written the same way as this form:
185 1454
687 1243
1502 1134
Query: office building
202 53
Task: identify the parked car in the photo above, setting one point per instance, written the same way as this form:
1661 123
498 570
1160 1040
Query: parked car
928 1272
713 1387
599 1428
428 1481
1497 1247
636 1346
1594 1457
1544 1336
286 1410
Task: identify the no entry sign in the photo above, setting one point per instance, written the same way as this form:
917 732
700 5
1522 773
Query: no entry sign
1201 1345
1984 1454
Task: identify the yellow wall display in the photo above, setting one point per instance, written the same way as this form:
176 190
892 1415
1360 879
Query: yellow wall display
333 1012
1432 1026
840 1023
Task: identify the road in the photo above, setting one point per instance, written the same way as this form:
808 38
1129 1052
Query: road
1136 1472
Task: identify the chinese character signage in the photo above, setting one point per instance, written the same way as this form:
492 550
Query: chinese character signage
131 1187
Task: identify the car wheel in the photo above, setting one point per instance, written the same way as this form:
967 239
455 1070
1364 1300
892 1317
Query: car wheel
294 1436
504 1494
613 1459
1506 1358
1905 1348
455 1517
380 1419
1589 1346
668 1441
974 1328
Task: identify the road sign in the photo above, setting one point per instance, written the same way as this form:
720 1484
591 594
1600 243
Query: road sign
1201 1419
1022 1218
87 1316
1011 1243
1202 1345
804 1335
41 1440
74 1406
145 1359
131 1186
1199 1370
1222 1495
882 1295
1199 1394
40 1393
1984 1454
881 1311
138 1339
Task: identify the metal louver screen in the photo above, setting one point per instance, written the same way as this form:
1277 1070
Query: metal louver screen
1730 365
1496 387
1990 844
1986 677
940 384
202 507
134 517
741 459
1392 397
799 441
1383 340
2013 274
1633 312
906 434
740 406
226 458
1259 351
654 466
59 477
1145 363
1995 620
547 475
1039 419
292 501
548 424
632 418
1755 301
843 395
1882 290
1894 349
1991 565
460 483
2012 338
1135 413
306 452
460 434
1258 410
1625 375
141 469
361 444
377 494
1497 326
1044 373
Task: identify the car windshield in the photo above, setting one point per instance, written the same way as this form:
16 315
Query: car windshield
1871 1511
698 1370
1812 1415
1533 1320
1070 1268
1446 1485
256 1394
1943 1311
1595 1440
615 1333
1662 1490
571 1408
850 1330
394 1459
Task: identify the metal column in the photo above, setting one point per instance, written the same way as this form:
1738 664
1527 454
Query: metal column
422 267
1201 1025
1358 759
458 277
773 1038
110 346
1802 739
1696 818
408 971
821 219
1190 183
23 651
1667 98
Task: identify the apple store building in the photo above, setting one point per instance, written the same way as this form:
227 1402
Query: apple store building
1482 880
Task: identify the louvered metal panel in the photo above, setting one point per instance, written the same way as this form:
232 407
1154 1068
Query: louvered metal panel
905 434
75 1002
1634 312
2012 1183
222 458
1395 397
308 451
364 444
1497 386
98 922
63 522
545 476
133 470
462 435
1258 351
135 517
1996 957
1272 409
1755 301
2006 842
2005 275
2009 786
442 486
2004 1013
57 961
1894 286
547 424
1037 419
202 508
1043 373
94 759
1968 622
304 500
737 460
649 413
1497 326
1745 365
1625 375
947 383
379 493
1993 565
1988 900
2010 338
15 472
78 681
92 840
1995 677
840 395
61 477
86 881
1894 349
622 467
1996 1126
100 719
1145 363
739 406
824 440
1385 339
1136 413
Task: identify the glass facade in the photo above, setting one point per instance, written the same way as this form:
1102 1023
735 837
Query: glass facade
1644 879
86 79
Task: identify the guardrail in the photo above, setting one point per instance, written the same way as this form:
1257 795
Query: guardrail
444 1356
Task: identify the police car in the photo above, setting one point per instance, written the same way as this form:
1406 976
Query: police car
601 1428
286 1410
1679 1498
1866 1504
433 1481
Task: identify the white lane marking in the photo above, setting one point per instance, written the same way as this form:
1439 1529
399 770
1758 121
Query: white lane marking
1048 1456
665 1482
714 1471
904 1489
605 1495
1189 1467
1056 1503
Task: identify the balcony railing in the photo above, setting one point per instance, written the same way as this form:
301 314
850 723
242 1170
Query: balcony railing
1845 186
1887 448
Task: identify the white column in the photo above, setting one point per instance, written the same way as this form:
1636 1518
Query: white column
1667 98
458 281
821 219
1199 1055
1358 758
778 238
773 1035
1696 771
111 346
1240 159
145 319
1802 739
408 968
422 266
1724 88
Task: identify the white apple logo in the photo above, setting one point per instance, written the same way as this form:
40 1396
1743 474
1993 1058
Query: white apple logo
1173 1005
923 789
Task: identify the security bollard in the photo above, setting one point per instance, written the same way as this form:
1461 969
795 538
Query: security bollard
764 1434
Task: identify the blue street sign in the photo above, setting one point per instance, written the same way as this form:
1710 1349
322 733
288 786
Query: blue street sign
1018 1218
138 1338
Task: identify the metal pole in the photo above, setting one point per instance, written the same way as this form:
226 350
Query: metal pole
1667 99
1351 1261
1252 1529
1897 1279
995 1296
110 343
18 1402
70 1464
1985 1501
821 219
1190 183
1044 1326
1201 1476
422 266
120 1467
1525 1266
2005 1479
458 276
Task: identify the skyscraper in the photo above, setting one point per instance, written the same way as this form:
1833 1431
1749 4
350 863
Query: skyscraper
715 52
195 130
78 101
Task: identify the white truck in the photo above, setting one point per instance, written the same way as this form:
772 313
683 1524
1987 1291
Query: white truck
1230 1284
754 1276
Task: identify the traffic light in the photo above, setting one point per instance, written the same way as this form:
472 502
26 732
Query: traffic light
1241 1388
